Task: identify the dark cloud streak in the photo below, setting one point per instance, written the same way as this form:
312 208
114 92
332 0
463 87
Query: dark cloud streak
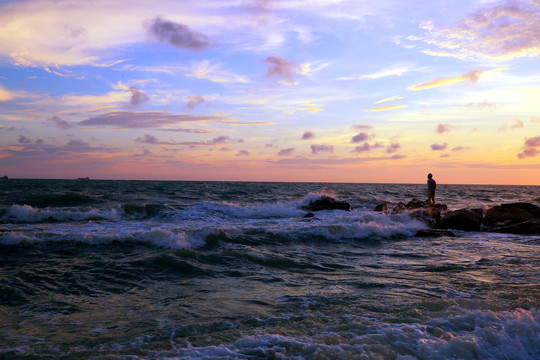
178 35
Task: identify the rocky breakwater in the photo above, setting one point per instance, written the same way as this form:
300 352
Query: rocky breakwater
513 218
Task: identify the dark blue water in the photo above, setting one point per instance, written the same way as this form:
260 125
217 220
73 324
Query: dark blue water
170 270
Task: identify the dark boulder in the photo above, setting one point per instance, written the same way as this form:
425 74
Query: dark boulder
463 219
416 204
528 227
309 215
507 214
514 218
327 203
399 208
381 207
429 215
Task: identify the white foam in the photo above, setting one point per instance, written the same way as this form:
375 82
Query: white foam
95 235
473 335
29 214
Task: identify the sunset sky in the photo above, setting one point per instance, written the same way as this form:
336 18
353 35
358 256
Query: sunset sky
271 90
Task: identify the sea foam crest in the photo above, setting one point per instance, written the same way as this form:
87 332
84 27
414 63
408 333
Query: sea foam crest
475 335
164 238
29 214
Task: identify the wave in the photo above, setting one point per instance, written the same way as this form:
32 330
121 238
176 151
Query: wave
29 214
473 335
162 238
176 235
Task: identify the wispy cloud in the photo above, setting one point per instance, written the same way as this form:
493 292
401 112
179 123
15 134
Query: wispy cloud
58 122
360 137
471 76
213 72
442 128
501 30
285 152
531 148
242 153
220 140
391 98
362 127
178 35
396 70
6 95
484 105
24 140
322 148
194 100
367 147
146 119
512 124
281 70
308 135
439 147
393 147
385 108
137 96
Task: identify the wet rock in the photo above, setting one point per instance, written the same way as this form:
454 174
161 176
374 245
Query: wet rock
327 203
309 215
528 227
430 215
508 214
514 218
381 207
416 204
463 219
434 232
399 208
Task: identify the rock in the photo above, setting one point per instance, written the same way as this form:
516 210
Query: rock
309 215
507 214
434 232
463 219
416 204
514 218
528 227
327 203
430 215
399 208
381 207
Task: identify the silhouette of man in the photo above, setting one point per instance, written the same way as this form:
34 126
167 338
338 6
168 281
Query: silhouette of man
431 186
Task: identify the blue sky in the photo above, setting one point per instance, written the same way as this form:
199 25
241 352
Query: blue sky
327 90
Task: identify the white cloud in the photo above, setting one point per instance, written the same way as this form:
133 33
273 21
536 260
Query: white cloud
214 73
497 31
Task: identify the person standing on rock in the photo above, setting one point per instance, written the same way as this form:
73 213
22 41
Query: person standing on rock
431 186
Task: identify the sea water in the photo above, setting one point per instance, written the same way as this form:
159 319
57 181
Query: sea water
221 270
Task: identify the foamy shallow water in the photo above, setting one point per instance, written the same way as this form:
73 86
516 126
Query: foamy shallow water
232 270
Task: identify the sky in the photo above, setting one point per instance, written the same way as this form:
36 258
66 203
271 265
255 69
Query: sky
271 90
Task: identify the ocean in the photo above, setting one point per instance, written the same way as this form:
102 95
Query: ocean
96 269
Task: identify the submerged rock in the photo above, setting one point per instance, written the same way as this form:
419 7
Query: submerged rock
463 219
381 207
327 203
